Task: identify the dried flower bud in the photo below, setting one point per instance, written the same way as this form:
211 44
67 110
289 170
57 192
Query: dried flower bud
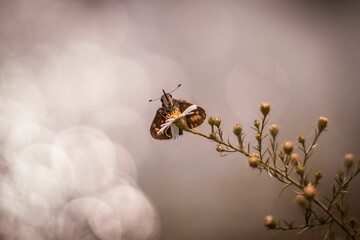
300 169
318 175
217 122
340 176
288 147
270 222
219 148
301 140
309 191
213 136
322 123
349 160
265 108
214 121
302 201
258 137
211 121
294 158
274 130
256 123
237 130
281 155
352 222
253 161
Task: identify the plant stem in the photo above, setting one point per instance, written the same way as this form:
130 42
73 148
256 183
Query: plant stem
219 142
282 175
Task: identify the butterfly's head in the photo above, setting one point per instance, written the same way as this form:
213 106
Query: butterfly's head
168 103
167 100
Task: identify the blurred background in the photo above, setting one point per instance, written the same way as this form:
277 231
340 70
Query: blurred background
76 157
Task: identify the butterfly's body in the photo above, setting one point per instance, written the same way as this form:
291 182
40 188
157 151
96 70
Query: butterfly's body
171 108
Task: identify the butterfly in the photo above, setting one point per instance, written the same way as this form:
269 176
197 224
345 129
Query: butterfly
162 128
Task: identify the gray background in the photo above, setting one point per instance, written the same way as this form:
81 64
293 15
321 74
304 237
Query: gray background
75 80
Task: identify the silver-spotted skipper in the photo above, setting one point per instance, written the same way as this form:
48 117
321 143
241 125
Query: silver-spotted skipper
162 127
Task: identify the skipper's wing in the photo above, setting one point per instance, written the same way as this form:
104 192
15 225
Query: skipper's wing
195 119
159 119
156 126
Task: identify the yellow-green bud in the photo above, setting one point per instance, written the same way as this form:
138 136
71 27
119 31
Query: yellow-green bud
288 147
265 108
270 222
349 160
301 139
237 130
309 191
214 121
253 161
322 123
274 130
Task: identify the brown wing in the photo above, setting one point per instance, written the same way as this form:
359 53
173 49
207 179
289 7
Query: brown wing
159 119
156 125
195 119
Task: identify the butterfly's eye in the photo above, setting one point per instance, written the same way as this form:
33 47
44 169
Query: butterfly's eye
170 95
161 100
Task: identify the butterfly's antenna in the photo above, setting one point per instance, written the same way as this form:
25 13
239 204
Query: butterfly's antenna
154 99
175 88
165 93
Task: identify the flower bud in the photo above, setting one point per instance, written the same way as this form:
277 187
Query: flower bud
301 140
211 121
349 160
256 123
217 122
214 121
294 158
288 147
237 130
181 123
281 155
353 223
219 148
270 222
341 176
265 108
253 161
300 169
213 136
258 137
322 123
274 130
302 201
318 175
309 191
